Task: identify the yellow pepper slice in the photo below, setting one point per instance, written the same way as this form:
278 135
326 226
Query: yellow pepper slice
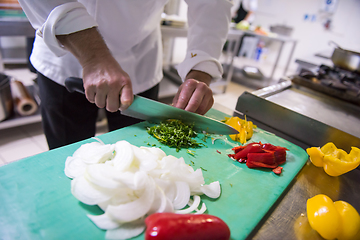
235 123
316 156
331 219
335 161
249 129
244 127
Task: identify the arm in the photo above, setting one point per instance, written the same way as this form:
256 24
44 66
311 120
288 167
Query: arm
65 25
105 82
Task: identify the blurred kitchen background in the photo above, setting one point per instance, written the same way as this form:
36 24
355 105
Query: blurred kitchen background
286 37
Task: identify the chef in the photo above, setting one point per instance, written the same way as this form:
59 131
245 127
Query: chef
115 46
244 10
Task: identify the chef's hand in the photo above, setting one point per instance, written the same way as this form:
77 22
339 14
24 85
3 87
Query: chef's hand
195 95
106 84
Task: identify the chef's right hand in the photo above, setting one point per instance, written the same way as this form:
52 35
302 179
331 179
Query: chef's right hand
107 85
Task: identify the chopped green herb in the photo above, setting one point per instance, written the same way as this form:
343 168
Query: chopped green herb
203 169
175 133
192 163
192 153
231 185
206 136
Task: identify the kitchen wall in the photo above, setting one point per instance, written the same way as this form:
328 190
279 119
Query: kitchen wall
309 31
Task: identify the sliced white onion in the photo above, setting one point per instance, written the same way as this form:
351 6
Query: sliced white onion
124 155
147 160
133 210
104 221
182 195
126 230
201 210
156 151
212 190
129 183
102 176
192 207
74 167
87 193
94 152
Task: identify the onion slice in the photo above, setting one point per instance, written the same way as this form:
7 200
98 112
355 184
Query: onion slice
136 209
104 221
126 230
87 193
191 207
182 195
212 190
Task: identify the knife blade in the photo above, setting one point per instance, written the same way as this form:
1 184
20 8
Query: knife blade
154 111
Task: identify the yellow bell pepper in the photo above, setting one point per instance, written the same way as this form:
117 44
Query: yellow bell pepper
333 220
244 127
334 161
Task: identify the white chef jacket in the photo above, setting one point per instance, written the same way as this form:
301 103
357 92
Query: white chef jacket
131 30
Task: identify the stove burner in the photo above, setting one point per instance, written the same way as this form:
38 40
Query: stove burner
334 81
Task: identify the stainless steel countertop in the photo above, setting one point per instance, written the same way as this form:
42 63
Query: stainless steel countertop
326 109
287 219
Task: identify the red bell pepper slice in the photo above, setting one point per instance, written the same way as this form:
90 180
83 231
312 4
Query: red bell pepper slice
277 170
267 158
280 155
252 164
250 148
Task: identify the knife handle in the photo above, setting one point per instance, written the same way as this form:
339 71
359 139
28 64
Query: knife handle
74 84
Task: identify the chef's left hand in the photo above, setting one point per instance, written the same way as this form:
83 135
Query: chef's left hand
195 95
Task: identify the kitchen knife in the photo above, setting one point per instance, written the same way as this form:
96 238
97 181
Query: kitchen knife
153 111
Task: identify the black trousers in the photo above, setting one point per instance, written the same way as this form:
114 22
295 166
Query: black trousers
70 117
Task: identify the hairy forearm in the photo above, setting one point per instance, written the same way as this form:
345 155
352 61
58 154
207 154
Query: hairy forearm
86 45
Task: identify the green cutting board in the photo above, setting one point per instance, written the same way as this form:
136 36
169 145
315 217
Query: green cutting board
36 202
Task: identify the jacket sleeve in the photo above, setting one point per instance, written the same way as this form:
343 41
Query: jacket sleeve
56 17
208 22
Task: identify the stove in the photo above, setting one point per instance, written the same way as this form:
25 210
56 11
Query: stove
334 81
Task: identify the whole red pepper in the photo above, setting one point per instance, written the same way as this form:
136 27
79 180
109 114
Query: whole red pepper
164 226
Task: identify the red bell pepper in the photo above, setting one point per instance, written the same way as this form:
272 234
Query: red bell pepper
164 226
260 155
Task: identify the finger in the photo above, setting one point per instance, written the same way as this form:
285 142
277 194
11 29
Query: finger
176 98
185 93
127 97
199 99
113 101
100 98
194 101
90 94
206 104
